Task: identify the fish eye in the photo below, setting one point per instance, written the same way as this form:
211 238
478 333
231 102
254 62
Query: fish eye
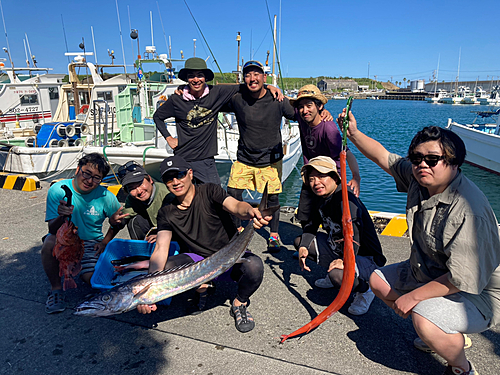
106 297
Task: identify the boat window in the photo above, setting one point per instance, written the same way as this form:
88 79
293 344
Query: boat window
53 93
29 99
105 95
84 97
121 88
151 95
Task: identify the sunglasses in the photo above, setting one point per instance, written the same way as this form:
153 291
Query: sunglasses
431 160
88 176
178 175
129 167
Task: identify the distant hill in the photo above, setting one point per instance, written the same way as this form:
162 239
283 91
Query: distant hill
389 86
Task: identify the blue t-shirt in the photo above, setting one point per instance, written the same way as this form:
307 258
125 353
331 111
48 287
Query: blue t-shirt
90 210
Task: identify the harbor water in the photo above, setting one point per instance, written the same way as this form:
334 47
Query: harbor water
394 123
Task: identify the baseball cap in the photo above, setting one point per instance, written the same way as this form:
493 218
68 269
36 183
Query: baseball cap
323 164
131 172
253 63
174 163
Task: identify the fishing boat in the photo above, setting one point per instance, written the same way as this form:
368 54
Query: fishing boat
438 95
482 139
493 99
28 97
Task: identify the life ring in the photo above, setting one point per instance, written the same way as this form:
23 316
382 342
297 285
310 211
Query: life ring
84 108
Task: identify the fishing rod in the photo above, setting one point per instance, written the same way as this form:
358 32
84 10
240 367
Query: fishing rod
203 36
275 47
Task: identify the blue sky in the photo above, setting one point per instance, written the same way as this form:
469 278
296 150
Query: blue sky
398 39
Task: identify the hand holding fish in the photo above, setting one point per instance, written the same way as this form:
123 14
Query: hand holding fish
260 219
353 127
146 309
303 253
63 209
117 218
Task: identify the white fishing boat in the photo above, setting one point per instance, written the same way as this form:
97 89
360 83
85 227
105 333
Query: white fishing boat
493 99
28 96
438 95
482 139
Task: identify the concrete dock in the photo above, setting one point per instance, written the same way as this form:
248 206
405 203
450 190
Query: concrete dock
171 342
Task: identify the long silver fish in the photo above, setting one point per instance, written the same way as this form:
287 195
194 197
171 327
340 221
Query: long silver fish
151 288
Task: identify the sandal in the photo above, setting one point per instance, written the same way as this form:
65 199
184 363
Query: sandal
242 319
55 302
200 300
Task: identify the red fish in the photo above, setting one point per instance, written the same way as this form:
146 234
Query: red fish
69 252
349 262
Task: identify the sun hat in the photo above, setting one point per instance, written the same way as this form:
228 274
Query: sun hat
309 91
195 63
323 164
174 163
253 63
131 172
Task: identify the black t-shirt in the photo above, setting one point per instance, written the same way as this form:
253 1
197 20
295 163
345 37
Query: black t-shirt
196 121
259 125
205 226
365 239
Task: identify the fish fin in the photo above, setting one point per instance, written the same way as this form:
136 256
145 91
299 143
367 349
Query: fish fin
264 203
143 291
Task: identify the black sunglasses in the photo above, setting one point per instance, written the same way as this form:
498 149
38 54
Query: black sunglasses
169 177
431 160
128 167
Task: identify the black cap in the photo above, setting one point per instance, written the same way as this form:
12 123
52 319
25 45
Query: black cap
173 163
133 174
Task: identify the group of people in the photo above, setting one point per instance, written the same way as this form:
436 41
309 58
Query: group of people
450 285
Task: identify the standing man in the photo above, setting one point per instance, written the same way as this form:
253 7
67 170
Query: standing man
319 137
260 148
195 113
200 217
450 285
91 205
144 200
321 177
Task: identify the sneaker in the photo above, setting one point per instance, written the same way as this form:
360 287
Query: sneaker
274 245
200 300
325 283
55 302
421 345
361 303
450 370
242 318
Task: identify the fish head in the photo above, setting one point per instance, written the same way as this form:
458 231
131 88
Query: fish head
115 301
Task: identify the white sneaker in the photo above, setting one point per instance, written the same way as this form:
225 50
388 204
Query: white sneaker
324 283
361 303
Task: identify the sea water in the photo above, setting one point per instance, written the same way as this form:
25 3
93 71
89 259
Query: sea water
394 123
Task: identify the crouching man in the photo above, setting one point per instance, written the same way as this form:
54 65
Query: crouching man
321 177
200 216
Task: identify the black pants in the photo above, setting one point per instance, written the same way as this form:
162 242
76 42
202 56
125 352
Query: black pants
205 171
138 227
273 201
248 274
308 203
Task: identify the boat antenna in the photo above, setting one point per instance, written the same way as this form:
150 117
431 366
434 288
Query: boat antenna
203 36
26 53
65 40
7 40
164 35
151 18
29 50
93 43
274 45
121 38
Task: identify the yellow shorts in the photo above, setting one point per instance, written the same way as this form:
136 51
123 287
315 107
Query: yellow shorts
254 178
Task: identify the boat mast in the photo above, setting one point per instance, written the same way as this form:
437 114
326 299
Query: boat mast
437 75
274 53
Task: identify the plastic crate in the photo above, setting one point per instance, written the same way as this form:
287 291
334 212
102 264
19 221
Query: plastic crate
120 248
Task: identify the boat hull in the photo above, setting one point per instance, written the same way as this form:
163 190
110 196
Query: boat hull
483 149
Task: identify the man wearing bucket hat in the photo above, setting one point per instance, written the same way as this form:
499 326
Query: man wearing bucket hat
196 112
326 249
260 147
200 217
144 200
318 138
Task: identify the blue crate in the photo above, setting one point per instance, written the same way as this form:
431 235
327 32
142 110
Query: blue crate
119 248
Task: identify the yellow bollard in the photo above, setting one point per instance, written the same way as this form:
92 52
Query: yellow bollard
17 121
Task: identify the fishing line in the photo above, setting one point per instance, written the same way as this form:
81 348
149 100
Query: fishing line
203 36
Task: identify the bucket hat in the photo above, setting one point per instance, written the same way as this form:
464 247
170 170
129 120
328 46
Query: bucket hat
195 63
309 91
323 164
